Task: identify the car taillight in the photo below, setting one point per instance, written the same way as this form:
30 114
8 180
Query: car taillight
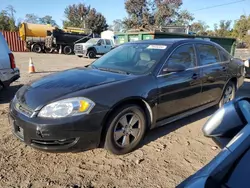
12 61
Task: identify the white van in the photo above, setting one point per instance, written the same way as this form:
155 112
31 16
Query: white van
8 70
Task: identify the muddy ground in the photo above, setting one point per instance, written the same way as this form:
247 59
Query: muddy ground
167 155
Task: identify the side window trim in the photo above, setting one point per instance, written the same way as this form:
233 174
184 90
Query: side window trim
176 48
221 50
198 54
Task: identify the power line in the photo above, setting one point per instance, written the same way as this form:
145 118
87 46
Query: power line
234 2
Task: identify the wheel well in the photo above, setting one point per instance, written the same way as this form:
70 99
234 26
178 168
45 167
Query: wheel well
138 102
234 80
92 48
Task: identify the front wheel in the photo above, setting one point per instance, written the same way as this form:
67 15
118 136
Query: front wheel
91 54
228 94
126 128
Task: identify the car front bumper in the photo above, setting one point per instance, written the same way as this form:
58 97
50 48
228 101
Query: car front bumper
10 76
81 52
71 134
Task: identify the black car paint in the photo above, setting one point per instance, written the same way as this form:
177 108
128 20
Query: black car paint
164 95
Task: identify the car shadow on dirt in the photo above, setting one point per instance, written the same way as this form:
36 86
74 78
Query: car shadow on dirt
166 129
7 94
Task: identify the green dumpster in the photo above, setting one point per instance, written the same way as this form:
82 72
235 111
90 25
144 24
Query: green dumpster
227 43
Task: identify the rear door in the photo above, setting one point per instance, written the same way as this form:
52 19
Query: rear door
108 45
4 54
214 72
179 91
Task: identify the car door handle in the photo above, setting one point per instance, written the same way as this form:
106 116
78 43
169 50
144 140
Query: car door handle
195 76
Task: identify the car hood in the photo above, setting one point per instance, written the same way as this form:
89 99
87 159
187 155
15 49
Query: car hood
87 45
57 85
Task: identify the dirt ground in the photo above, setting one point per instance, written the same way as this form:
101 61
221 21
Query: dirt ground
167 155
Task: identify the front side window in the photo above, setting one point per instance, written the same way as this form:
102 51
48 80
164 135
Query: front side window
208 54
132 58
101 41
184 55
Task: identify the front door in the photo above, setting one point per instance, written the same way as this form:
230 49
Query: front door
179 91
214 72
100 48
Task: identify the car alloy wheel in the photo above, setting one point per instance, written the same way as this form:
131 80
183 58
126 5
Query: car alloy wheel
125 129
229 94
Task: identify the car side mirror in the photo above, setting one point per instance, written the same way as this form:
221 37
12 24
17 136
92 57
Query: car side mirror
99 44
175 67
227 122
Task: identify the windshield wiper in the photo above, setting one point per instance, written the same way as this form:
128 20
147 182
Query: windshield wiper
114 70
93 66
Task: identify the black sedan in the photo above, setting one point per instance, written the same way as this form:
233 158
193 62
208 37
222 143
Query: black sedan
135 87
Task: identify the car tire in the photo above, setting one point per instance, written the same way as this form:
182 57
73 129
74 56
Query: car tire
228 94
37 48
67 50
91 54
126 129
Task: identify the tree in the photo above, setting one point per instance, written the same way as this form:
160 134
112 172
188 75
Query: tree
139 13
183 18
241 27
47 20
83 16
155 14
166 11
117 26
7 19
199 27
223 30
31 18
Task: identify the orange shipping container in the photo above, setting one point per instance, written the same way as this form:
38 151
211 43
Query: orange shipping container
14 41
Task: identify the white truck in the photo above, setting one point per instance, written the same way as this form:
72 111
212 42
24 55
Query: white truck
93 47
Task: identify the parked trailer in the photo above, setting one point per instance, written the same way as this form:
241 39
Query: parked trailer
228 43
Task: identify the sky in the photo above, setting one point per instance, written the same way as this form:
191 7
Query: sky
114 9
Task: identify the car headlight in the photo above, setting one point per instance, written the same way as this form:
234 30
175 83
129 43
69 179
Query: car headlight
246 63
67 107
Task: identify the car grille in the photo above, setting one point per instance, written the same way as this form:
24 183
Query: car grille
78 47
22 108
52 143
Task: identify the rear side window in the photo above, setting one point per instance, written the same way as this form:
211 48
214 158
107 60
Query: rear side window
224 56
108 42
208 54
183 55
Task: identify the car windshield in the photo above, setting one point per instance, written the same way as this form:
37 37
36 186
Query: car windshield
131 58
93 41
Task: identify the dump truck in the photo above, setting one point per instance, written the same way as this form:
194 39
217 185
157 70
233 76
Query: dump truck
45 38
34 35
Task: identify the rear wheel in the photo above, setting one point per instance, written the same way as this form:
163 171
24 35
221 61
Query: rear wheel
37 48
91 54
228 94
67 50
126 128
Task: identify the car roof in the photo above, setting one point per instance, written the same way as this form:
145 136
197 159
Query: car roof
171 41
